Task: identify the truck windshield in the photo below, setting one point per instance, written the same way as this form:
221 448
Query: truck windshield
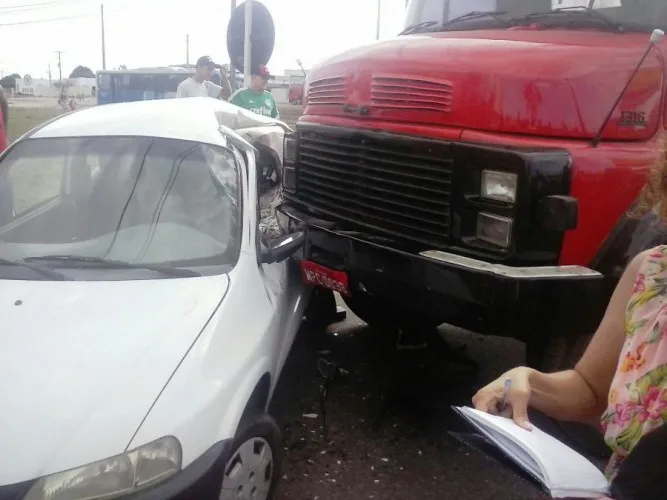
611 15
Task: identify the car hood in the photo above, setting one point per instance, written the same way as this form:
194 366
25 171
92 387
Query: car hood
547 83
81 363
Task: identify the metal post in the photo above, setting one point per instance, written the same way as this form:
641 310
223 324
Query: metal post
377 32
104 50
60 68
187 51
232 64
247 47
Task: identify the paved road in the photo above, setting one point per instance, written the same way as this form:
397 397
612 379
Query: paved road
401 450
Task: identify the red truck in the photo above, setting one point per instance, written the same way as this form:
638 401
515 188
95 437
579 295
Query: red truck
296 93
479 170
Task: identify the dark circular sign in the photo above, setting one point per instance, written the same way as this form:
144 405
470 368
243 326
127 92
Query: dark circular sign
262 36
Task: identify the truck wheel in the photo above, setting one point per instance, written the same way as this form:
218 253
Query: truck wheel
556 353
253 469
380 314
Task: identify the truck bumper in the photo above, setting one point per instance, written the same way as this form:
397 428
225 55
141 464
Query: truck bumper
487 298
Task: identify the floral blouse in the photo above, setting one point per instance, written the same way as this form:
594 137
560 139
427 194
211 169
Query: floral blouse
638 394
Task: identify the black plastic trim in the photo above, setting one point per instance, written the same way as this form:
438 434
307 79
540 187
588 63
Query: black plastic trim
467 297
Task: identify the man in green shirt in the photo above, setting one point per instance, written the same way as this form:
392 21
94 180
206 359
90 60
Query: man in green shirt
256 98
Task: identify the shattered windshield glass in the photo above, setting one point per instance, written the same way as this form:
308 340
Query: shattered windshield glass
113 201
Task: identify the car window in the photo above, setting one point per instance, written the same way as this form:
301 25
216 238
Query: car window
34 181
104 81
133 199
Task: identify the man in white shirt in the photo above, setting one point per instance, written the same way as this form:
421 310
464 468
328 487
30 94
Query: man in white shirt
201 85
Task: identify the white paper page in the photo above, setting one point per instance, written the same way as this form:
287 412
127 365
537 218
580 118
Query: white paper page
564 469
513 450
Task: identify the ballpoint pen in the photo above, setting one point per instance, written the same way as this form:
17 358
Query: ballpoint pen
506 392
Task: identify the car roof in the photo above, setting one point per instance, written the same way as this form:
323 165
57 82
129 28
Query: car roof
191 119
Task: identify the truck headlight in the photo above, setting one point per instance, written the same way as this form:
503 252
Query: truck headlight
123 474
494 229
500 186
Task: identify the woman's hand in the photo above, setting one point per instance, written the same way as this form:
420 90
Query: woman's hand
489 399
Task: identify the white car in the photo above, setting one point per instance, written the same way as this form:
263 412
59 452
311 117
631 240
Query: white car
145 317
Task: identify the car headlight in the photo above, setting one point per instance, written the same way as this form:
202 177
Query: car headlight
113 477
500 186
494 229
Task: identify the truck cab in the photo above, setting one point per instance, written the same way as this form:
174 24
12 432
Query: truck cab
479 168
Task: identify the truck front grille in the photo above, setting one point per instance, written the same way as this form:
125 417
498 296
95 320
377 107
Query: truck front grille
394 186
397 93
327 91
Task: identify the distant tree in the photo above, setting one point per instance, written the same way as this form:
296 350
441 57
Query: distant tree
122 67
9 82
82 72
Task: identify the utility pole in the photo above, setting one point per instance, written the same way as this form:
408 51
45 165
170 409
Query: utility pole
50 81
377 32
247 45
60 67
104 50
187 51
232 68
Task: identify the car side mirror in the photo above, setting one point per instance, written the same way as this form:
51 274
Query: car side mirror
283 248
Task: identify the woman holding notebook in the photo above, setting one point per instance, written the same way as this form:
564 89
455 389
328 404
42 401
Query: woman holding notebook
621 380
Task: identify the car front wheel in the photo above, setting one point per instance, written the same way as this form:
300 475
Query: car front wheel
253 469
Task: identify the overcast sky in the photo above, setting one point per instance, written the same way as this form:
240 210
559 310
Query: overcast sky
152 32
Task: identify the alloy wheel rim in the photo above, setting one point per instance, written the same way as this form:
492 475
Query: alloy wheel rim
249 472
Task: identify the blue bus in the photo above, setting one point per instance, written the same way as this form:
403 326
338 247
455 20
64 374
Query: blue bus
139 85
129 85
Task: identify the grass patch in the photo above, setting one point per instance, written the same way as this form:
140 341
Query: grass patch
21 120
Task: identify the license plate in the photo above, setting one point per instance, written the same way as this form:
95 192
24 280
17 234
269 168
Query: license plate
317 275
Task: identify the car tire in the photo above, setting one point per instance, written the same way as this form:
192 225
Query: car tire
556 353
259 442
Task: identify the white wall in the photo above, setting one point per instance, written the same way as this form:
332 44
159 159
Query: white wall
280 94
39 87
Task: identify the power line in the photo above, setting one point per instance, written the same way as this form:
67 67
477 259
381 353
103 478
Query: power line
53 19
118 8
8 9
27 5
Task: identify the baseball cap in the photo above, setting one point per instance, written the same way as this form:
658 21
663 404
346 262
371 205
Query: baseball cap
262 71
207 61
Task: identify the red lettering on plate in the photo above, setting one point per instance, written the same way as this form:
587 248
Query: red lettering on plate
317 275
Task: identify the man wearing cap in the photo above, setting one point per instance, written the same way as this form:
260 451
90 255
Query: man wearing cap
256 98
200 85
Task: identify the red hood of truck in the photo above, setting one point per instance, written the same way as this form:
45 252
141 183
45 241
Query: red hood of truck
556 83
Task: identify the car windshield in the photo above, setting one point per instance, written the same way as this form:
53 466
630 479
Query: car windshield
98 206
446 15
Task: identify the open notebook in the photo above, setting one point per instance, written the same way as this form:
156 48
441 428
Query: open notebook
560 470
